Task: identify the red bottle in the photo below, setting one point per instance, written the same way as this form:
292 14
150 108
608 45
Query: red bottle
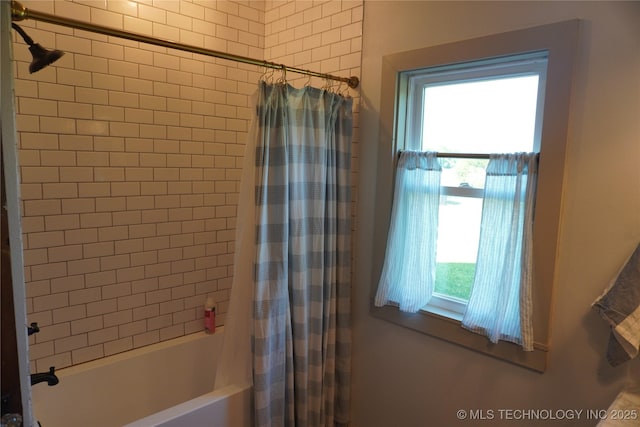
210 316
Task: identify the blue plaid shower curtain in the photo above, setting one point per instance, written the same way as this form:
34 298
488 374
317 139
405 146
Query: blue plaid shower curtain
301 325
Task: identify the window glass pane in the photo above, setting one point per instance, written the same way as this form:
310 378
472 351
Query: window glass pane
463 172
481 116
457 247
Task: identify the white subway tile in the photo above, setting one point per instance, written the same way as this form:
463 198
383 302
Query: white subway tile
38 141
73 44
117 318
67 314
118 346
106 18
74 110
60 361
87 324
101 307
116 290
76 142
87 235
61 222
126 218
59 190
192 10
76 174
39 287
86 354
138 86
120 232
130 302
42 350
57 125
157 270
40 107
191 38
67 283
171 332
123 68
50 302
94 189
28 89
145 339
92 96
65 253
141 26
144 285
74 77
148 311
131 328
31 224
152 13
102 250
71 10
70 343
351 60
165 32
144 258
93 127
107 50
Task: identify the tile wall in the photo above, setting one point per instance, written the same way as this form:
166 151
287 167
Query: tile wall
130 160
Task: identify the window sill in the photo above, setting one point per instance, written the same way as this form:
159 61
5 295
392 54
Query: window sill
443 314
450 330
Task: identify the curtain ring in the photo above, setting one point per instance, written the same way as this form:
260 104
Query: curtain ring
263 76
283 76
343 89
327 84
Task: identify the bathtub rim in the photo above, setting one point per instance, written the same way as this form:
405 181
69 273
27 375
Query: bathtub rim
197 403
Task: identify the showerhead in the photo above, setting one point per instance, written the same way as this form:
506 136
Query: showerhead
41 56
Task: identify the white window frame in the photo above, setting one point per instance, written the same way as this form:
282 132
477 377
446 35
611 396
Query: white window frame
519 65
412 102
560 41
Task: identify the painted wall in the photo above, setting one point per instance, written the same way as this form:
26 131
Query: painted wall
130 158
403 378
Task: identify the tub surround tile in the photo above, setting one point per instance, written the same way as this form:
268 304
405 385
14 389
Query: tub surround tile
131 157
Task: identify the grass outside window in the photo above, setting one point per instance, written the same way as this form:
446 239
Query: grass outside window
455 279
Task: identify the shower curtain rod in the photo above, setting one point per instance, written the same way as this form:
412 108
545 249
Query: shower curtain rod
19 13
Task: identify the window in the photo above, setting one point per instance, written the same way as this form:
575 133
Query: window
528 72
482 107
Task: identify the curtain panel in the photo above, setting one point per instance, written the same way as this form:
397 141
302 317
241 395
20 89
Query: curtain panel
501 304
408 272
302 341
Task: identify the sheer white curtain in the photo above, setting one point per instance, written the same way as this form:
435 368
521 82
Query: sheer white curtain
500 305
408 273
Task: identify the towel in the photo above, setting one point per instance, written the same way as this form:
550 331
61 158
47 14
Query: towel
626 408
619 305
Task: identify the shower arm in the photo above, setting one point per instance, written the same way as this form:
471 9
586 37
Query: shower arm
19 13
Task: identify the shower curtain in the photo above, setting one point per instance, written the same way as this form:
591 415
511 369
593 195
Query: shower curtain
300 259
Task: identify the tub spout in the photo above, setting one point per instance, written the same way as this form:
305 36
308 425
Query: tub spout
49 377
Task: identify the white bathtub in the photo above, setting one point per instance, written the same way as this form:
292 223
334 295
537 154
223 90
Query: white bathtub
166 384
